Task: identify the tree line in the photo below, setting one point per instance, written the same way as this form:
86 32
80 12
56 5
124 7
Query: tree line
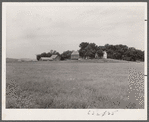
121 52
89 50
65 55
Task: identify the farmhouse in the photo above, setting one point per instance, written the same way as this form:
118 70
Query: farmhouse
104 54
52 58
75 55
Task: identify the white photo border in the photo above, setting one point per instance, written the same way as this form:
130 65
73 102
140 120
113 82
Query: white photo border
68 114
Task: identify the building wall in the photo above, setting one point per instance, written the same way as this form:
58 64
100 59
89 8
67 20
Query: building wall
44 59
74 57
57 58
105 55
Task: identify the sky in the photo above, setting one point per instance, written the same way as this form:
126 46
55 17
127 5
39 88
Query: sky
36 28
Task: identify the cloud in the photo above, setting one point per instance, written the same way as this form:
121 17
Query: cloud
38 28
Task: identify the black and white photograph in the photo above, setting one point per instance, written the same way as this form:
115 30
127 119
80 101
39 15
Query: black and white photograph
74 61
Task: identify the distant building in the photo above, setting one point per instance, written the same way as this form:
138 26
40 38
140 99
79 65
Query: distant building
104 54
45 59
75 55
52 58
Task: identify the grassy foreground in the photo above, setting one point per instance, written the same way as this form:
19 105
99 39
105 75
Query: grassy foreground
74 85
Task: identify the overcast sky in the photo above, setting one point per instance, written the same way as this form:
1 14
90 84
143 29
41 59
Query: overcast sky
35 28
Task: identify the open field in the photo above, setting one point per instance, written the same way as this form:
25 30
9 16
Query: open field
67 84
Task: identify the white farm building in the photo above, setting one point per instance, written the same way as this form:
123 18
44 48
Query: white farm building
104 54
52 58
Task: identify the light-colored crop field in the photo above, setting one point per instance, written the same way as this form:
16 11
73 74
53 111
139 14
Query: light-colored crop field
66 84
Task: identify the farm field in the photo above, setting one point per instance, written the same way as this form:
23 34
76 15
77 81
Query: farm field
66 84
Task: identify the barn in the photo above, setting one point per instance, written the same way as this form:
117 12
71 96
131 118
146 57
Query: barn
52 58
75 55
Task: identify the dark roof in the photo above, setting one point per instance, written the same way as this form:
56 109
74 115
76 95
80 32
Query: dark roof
53 56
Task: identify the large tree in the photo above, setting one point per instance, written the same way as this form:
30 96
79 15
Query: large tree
43 54
82 50
91 50
49 54
66 55
83 45
87 50
100 53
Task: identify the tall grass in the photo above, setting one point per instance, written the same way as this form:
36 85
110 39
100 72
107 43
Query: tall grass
72 85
